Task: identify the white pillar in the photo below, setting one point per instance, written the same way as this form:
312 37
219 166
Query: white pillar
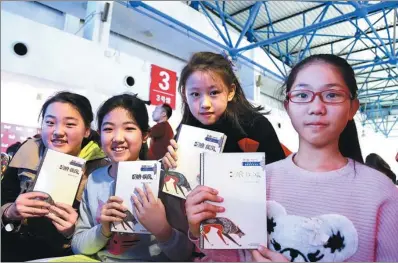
95 28
72 24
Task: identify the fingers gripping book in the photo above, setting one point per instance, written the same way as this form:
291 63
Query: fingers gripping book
129 176
240 180
191 142
59 176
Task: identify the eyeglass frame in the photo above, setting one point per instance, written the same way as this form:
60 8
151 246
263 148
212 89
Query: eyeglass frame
319 94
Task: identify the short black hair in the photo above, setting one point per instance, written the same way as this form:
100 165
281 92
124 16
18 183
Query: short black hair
168 110
132 104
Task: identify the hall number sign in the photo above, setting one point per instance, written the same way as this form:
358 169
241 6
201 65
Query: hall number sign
163 86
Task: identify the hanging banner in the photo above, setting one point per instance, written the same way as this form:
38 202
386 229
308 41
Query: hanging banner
12 133
163 86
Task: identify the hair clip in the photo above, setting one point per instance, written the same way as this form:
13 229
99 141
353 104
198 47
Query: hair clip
230 60
227 56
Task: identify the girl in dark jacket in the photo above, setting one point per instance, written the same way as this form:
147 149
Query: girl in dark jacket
32 228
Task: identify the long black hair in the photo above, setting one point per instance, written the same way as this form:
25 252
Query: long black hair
215 63
376 162
348 141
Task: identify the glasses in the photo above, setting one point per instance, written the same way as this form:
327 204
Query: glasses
327 96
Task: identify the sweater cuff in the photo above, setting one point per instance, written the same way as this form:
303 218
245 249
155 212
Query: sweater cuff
191 237
171 241
9 225
101 235
3 210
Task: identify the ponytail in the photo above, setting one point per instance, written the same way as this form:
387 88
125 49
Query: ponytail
349 142
94 136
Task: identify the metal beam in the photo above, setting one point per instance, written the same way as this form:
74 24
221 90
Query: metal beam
252 33
375 79
224 23
383 88
215 26
195 5
323 24
395 32
382 101
376 63
277 44
366 72
137 4
364 10
376 94
346 38
288 17
249 22
214 10
320 16
241 10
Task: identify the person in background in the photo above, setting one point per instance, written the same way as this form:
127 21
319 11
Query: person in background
375 161
5 160
161 133
32 228
7 156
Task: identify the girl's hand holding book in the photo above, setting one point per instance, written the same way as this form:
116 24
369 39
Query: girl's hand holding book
152 214
112 211
63 217
170 159
28 205
198 210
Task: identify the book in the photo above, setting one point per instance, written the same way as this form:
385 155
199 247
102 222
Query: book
59 176
191 142
131 175
240 180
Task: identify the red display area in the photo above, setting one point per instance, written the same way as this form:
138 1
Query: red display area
163 86
12 133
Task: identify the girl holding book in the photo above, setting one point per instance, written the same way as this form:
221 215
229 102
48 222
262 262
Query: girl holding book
123 125
32 228
213 99
337 209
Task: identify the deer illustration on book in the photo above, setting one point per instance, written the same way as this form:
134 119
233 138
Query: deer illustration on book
224 227
179 181
129 218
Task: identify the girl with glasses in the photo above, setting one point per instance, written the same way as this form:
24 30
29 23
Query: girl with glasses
323 203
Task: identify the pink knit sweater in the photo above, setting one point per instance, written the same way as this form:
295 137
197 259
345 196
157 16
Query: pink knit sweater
363 197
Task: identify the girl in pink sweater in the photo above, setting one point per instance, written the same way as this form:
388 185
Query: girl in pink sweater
323 203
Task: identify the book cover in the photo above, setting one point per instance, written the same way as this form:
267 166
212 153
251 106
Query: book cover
191 142
129 176
59 176
240 180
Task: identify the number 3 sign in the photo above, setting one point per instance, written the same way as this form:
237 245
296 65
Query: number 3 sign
163 86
